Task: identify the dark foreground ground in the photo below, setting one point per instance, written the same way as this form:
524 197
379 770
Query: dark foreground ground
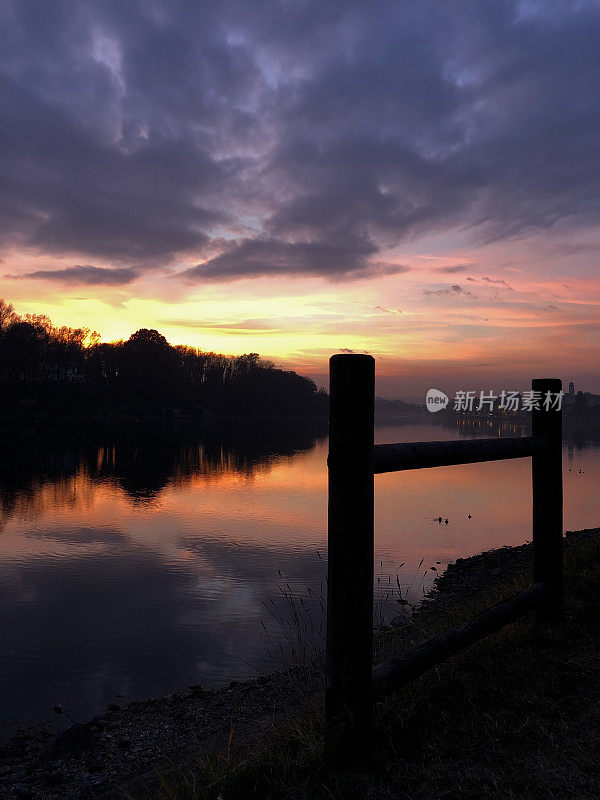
515 716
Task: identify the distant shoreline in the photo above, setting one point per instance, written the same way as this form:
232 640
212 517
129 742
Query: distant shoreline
43 416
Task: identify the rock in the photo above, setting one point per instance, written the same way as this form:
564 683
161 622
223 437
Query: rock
53 778
75 740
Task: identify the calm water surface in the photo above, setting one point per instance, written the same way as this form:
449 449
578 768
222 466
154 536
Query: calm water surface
135 564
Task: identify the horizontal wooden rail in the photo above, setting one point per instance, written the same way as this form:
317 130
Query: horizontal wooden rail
405 668
417 455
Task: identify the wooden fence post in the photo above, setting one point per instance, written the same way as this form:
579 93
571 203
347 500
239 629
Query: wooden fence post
548 501
350 554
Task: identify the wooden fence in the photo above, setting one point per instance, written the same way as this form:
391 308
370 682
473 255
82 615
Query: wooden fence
354 460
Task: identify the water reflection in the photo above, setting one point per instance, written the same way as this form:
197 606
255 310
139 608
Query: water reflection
134 562
142 462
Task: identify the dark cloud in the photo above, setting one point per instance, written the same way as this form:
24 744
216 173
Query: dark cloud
346 258
311 136
385 310
452 291
498 281
453 270
84 275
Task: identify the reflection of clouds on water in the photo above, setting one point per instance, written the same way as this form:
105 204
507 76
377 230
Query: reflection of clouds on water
256 563
79 630
83 534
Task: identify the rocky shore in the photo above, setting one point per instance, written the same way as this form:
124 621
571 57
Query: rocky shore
126 747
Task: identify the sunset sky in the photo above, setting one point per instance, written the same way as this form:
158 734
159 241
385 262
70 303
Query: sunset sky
418 180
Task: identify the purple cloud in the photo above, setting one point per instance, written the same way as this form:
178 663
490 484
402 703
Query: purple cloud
83 275
314 137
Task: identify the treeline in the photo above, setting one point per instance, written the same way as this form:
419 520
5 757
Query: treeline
397 408
45 365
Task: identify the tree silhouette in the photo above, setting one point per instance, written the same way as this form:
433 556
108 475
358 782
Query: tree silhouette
55 366
7 315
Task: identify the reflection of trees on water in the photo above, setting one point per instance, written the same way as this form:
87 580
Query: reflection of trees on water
576 445
61 468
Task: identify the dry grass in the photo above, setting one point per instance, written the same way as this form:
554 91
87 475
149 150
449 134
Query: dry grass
515 716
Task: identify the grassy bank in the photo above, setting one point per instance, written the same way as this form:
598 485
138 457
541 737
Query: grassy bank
515 716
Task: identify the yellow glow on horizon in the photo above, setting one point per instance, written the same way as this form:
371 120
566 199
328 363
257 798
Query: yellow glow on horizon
447 313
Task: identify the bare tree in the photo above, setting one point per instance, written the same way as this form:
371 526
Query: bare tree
7 315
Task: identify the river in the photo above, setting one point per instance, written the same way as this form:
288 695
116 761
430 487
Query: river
135 562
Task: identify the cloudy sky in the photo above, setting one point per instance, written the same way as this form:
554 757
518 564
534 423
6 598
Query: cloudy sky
419 180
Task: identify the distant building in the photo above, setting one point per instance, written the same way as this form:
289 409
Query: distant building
583 401
569 398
